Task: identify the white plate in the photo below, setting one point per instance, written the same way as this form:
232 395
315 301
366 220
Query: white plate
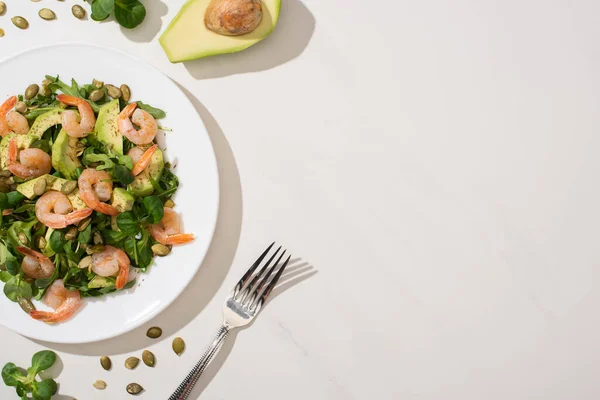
188 147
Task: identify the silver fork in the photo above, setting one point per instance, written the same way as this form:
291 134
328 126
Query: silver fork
243 304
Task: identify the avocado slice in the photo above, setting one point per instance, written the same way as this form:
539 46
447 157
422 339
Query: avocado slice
142 185
76 201
100 282
122 200
52 183
45 121
23 142
64 157
107 131
188 38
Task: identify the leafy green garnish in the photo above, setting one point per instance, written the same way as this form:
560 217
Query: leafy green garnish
128 13
26 382
16 287
157 113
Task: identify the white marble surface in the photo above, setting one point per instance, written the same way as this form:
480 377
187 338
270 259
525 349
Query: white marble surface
434 163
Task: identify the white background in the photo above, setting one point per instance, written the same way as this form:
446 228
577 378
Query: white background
432 165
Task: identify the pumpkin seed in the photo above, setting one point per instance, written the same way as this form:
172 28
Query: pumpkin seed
85 262
154 333
41 242
78 11
160 250
23 238
31 91
2 8
100 385
20 22
97 238
113 91
68 187
47 14
97 248
105 362
134 388
1 31
84 224
169 203
5 173
71 233
21 107
126 92
148 358
132 362
45 90
97 84
26 305
96 95
39 187
178 345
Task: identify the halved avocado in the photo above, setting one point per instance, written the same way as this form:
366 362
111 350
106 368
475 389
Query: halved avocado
188 38
106 128
64 157
142 186
45 121
23 142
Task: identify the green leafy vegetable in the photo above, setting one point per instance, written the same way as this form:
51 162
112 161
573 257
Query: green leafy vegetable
123 175
154 208
157 113
16 288
128 13
127 223
26 382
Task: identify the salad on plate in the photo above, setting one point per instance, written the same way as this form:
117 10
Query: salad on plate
85 195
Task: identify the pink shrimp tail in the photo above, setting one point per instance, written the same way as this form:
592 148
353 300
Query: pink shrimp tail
70 100
45 316
106 209
76 216
129 109
13 151
122 277
144 160
180 238
8 105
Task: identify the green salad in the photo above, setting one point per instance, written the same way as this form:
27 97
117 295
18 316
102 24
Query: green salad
85 194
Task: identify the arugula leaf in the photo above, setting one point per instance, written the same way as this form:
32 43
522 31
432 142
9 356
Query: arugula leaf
157 113
129 13
90 157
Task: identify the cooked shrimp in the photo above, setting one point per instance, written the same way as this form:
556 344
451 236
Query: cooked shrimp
146 122
12 121
168 231
55 211
94 188
111 262
141 162
32 162
64 302
36 265
87 119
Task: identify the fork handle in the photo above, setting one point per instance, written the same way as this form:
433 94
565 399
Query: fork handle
185 387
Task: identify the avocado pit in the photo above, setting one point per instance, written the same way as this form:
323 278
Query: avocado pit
233 17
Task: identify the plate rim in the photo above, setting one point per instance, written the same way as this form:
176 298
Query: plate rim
216 206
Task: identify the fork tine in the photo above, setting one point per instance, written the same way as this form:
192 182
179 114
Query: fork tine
251 270
249 289
261 284
272 284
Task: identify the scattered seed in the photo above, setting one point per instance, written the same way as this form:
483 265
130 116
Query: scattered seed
2 8
154 333
97 84
106 362
85 262
5 173
26 305
41 242
71 233
169 203
45 90
96 95
20 22
113 91
134 388
148 358
178 345
78 11
68 187
100 385
31 91
97 238
84 224
21 107
132 362
97 248
160 250
126 92
1 32
47 14
39 187
23 238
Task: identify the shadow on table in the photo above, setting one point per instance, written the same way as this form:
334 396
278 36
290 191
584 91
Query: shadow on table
289 39
296 272
147 30
211 273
